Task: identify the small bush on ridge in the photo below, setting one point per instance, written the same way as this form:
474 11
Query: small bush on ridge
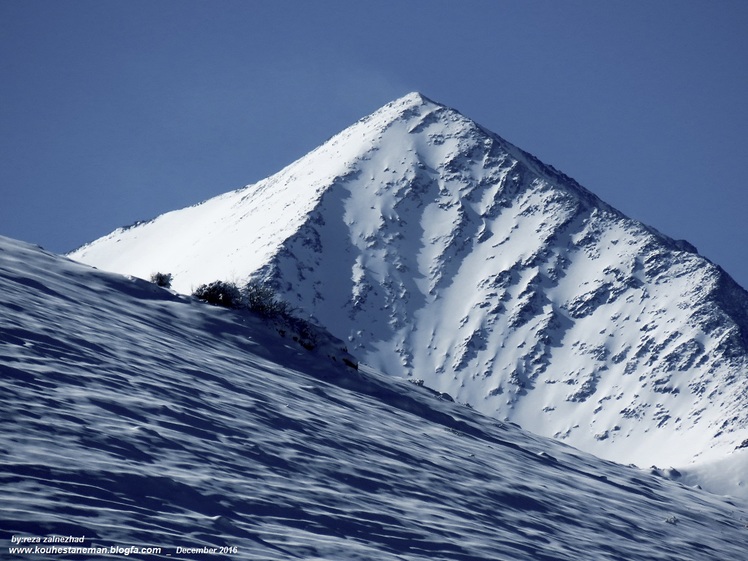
262 300
219 293
162 279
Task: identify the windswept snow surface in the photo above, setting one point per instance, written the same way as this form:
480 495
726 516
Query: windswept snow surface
142 419
443 253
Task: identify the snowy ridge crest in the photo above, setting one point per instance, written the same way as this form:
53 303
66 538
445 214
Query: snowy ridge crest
443 253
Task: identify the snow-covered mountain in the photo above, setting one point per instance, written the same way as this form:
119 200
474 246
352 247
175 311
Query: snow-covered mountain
142 424
441 252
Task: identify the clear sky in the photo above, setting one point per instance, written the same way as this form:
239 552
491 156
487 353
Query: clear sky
116 111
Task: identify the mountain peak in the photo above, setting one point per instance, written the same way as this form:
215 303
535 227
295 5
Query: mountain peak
443 253
412 99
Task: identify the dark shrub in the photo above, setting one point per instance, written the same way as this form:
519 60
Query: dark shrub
162 279
261 299
219 293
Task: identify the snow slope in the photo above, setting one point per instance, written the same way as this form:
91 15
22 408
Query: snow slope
142 419
441 252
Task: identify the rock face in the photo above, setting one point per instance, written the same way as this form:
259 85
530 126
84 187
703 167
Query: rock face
441 252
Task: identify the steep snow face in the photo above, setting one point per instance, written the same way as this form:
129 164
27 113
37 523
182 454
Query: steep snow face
140 419
233 235
441 252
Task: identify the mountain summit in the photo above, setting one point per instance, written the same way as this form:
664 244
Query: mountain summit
443 253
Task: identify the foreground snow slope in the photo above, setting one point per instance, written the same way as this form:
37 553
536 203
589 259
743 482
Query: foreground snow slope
137 418
440 251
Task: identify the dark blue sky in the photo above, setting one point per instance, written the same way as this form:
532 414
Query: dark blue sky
117 111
